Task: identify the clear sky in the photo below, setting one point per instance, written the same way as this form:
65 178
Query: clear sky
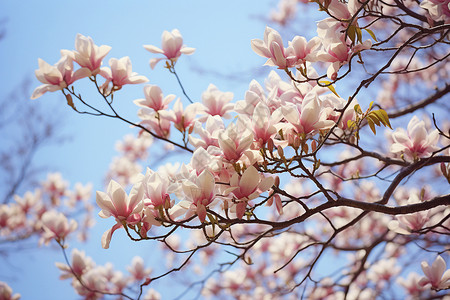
220 31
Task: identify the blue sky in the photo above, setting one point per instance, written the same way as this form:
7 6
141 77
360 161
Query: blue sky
220 31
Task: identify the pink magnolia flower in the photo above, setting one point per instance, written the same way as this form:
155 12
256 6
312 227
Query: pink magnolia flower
247 187
436 275
59 76
217 103
439 10
156 190
287 10
200 192
93 281
135 148
88 55
263 122
172 47
125 209
307 117
28 201
272 48
154 98
405 224
304 50
56 226
155 122
80 264
138 270
235 140
411 284
182 118
6 292
208 135
415 142
120 73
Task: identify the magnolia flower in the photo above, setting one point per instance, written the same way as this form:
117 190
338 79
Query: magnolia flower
155 122
263 122
154 98
56 226
272 48
138 270
247 187
235 140
217 102
307 117
88 55
59 76
435 274
156 190
411 284
405 224
182 118
6 292
209 135
200 192
80 264
125 209
172 47
416 142
439 10
286 11
120 73
304 50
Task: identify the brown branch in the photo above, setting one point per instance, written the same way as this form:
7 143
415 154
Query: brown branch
413 107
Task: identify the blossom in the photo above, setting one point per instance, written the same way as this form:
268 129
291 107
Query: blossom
200 192
154 98
209 135
56 226
59 76
6 292
272 48
120 73
304 50
307 117
247 187
405 224
138 270
435 274
415 142
125 209
156 189
263 122
172 47
182 118
235 140
80 264
439 10
88 55
216 102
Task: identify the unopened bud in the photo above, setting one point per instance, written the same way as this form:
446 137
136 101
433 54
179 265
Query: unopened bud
277 181
313 145
280 151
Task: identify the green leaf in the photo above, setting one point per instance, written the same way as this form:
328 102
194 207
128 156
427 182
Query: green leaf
371 125
374 118
359 34
383 117
213 222
371 34
351 32
329 85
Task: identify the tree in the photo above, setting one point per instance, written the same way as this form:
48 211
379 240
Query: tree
299 178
